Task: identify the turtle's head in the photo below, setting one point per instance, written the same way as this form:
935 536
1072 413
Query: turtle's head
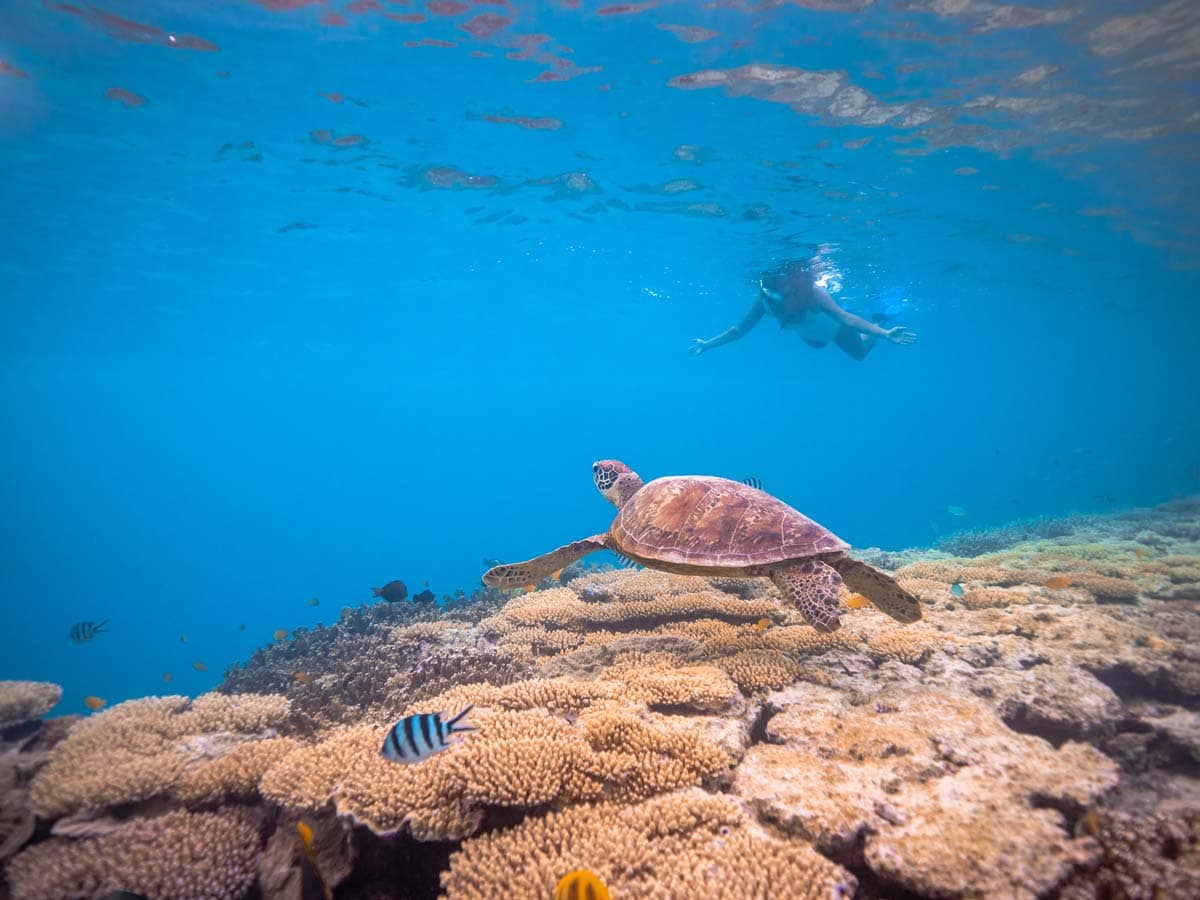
615 480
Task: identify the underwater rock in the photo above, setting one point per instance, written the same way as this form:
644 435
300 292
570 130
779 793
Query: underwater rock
946 800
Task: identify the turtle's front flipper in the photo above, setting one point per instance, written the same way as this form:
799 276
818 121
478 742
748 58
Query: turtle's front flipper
878 587
813 587
534 570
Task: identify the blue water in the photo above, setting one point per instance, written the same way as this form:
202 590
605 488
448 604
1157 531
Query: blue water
210 418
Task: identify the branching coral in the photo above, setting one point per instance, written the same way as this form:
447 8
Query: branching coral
21 701
686 844
141 748
177 856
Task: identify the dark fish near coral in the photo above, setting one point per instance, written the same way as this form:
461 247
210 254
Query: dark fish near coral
416 738
306 848
392 592
581 885
425 596
754 481
82 632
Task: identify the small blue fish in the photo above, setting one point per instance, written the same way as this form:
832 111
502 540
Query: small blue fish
418 737
956 511
82 632
956 589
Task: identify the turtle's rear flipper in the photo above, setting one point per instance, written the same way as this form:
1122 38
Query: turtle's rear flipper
812 587
534 570
878 587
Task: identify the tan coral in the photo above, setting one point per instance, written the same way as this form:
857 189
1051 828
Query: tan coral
988 598
177 856
235 775
757 670
520 758
141 748
21 701
686 844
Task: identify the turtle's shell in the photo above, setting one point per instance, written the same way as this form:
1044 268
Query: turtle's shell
700 522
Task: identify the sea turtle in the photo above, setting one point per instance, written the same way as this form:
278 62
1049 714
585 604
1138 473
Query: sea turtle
699 525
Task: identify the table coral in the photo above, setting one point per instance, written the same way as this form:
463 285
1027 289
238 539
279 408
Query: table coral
21 701
687 844
521 758
141 748
177 856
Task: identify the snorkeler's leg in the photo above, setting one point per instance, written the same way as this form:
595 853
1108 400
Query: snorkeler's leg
853 343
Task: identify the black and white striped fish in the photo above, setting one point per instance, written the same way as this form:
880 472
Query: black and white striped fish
82 632
416 738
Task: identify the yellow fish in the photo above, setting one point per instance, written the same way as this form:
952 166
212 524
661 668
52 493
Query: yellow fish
199 667
1139 552
94 703
530 588
166 676
280 634
762 625
857 601
1058 582
581 885
306 847
556 574
303 678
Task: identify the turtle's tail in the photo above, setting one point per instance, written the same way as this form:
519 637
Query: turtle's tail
878 587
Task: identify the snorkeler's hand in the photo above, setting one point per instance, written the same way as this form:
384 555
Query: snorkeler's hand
900 335
699 345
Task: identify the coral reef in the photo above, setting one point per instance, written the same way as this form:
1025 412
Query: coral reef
687 844
143 748
177 856
1036 734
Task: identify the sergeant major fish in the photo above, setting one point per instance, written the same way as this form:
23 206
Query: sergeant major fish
416 738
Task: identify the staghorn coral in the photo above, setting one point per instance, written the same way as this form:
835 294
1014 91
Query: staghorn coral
21 701
177 856
909 769
687 844
141 748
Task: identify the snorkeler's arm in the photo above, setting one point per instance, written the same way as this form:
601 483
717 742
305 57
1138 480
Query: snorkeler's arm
756 312
896 334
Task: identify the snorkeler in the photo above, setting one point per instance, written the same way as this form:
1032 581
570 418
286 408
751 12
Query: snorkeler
794 293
